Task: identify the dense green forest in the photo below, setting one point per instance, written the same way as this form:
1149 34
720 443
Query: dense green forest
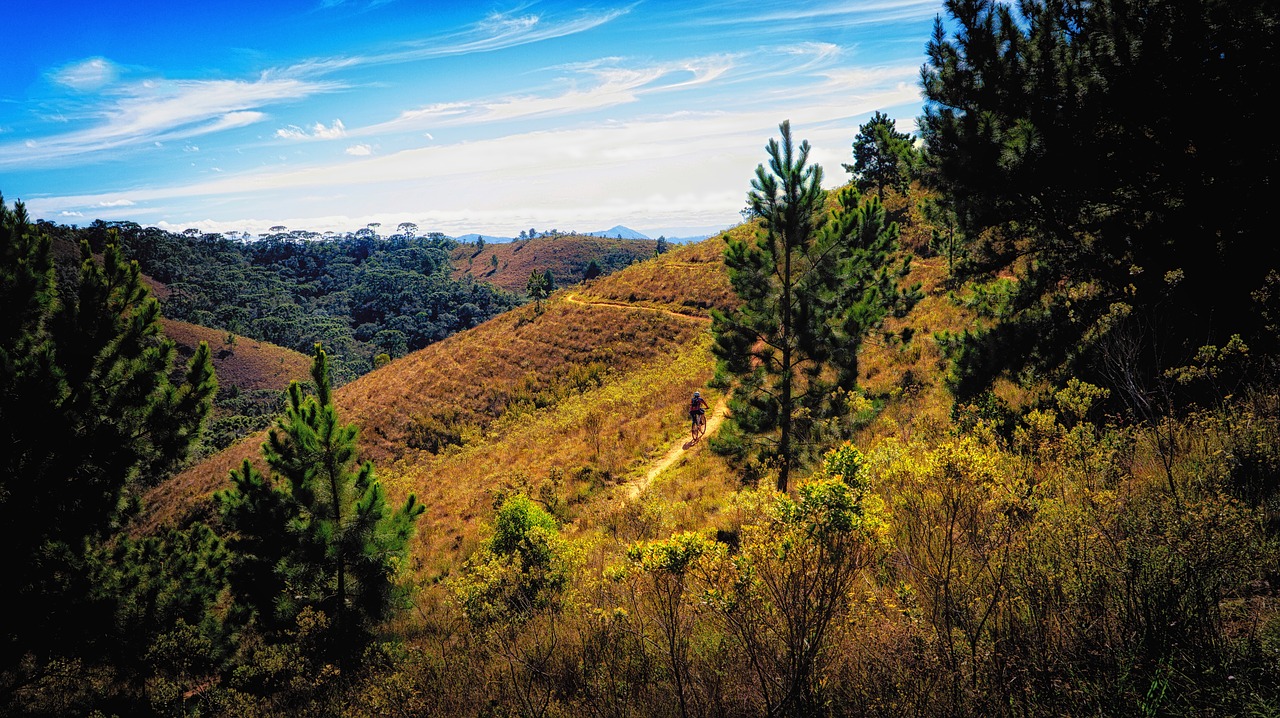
1001 431
359 294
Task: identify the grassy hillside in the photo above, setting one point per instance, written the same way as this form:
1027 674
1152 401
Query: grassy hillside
241 362
440 421
566 256
993 514
578 403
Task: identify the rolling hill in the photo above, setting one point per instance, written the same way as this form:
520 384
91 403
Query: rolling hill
245 363
566 256
241 362
591 390
583 402
619 232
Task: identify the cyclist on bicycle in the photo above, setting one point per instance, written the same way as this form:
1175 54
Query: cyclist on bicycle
697 410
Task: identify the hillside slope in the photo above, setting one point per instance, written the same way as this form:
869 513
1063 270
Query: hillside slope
586 364
239 361
577 405
566 256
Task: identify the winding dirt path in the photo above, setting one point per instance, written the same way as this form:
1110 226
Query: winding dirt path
573 298
677 451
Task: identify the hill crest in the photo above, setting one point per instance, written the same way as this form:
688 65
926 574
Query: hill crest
509 265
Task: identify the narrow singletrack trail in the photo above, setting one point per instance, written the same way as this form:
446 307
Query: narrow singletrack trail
677 451
575 299
714 418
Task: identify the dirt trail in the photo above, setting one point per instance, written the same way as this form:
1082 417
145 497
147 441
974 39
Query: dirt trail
677 451
714 418
575 299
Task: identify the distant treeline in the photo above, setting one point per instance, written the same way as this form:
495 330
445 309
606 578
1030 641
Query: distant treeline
359 295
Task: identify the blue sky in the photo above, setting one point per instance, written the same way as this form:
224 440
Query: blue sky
457 116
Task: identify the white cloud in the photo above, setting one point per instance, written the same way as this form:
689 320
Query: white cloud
85 75
115 203
360 150
317 131
845 13
337 129
65 213
497 31
697 168
610 85
154 110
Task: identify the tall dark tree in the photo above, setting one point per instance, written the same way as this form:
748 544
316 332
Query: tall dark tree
1060 135
90 417
538 287
318 535
812 284
882 156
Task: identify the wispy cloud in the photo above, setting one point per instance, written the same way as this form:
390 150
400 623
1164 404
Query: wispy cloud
848 13
86 75
696 165
153 111
497 31
600 85
359 150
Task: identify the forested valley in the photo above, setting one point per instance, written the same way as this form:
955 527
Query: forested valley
359 294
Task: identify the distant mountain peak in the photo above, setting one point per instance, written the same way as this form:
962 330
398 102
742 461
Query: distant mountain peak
617 231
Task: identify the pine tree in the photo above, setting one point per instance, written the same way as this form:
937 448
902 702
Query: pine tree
1058 133
882 156
538 287
812 284
91 417
320 534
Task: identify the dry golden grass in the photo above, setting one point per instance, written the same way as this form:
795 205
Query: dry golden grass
565 256
245 363
577 455
500 369
648 324
910 376
689 279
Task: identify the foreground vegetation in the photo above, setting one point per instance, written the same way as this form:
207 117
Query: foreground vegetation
1037 494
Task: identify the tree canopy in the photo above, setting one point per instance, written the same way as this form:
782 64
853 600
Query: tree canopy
318 535
882 156
812 284
1063 137
90 418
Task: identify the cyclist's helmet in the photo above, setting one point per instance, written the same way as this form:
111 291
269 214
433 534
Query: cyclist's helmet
697 393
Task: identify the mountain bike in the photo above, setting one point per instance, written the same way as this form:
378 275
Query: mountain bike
699 425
